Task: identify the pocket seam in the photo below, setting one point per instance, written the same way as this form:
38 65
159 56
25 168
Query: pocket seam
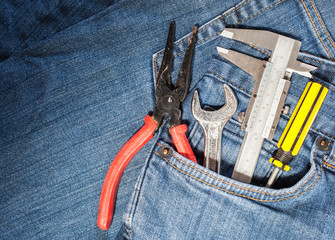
138 189
259 12
322 24
317 61
219 18
328 164
247 189
316 30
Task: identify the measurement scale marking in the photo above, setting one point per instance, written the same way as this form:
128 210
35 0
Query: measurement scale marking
260 115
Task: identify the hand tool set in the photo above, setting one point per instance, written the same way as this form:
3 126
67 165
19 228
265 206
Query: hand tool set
272 81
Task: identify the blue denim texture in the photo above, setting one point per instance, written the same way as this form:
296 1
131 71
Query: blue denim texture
71 97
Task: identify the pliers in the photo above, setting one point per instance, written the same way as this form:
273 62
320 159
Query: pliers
168 101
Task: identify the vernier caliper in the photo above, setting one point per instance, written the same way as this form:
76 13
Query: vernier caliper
272 81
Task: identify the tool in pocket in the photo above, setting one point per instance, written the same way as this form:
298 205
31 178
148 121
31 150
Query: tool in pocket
168 102
272 81
212 123
297 128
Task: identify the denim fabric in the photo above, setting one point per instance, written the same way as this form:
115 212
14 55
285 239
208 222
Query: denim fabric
177 199
24 24
69 103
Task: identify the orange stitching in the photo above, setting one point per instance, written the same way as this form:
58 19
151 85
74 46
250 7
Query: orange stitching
328 165
324 29
230 82
200 30
329 87
216 33
198 43
259 12
326 150
310 18
253 46
244 196
332 160
235 9
314 60
248 189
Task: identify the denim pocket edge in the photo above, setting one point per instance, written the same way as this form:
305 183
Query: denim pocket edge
129 213
252 192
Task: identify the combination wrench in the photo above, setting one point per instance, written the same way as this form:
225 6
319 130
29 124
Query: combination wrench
212 123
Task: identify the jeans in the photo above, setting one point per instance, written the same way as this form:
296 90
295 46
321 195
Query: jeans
71 98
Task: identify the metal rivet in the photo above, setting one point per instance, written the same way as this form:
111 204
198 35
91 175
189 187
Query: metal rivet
165 152
322 143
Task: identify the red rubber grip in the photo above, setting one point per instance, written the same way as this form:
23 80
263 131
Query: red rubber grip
180 141
116 169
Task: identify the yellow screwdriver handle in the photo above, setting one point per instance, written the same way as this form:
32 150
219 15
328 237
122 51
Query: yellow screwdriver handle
299 124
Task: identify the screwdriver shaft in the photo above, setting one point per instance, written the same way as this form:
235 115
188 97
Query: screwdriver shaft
272 178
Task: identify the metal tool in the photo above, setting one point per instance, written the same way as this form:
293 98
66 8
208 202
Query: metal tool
212 123
297 128
269 92
168 101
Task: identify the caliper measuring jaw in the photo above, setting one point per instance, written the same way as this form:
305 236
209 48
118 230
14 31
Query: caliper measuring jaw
272 81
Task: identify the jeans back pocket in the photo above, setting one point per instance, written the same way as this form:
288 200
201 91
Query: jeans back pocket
178 199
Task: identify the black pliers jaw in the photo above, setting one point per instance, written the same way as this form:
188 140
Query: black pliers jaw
169 99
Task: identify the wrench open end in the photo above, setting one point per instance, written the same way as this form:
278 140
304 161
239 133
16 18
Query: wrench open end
212 123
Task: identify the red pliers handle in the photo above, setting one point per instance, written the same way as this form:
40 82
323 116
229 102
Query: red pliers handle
167 103
122 159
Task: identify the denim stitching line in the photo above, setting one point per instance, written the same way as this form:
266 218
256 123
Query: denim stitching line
321 22
130 213
244 196
138 189
218 32
328 165
323 84
235 9
156 72
125 228
316 31
326 150
244 188
230 82
331 161
324 160
314 60
200 30
259 12
198 43
253 46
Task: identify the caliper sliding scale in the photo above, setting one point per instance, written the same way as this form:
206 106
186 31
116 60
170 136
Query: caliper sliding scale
272 81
